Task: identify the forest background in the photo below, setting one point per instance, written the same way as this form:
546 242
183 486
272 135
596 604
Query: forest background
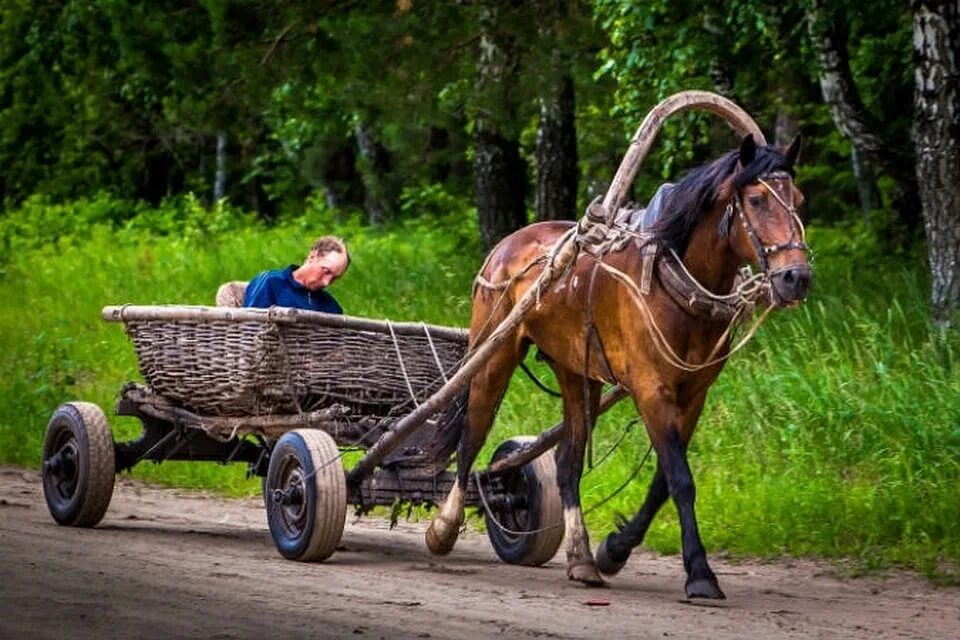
152 150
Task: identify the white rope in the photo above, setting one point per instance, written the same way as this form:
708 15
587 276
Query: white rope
433 350
403 367
500 525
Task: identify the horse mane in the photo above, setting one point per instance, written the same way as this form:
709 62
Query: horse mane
696 194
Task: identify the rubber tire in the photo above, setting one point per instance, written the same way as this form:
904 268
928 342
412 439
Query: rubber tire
83 426
313 533
544 511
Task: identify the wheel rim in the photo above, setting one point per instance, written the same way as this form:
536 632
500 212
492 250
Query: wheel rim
61 471
290 503
515 515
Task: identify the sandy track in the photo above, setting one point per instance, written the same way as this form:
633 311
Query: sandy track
166 564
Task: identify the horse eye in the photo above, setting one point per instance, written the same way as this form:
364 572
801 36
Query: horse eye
755 201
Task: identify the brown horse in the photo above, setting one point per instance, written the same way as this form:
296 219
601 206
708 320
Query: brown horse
615 318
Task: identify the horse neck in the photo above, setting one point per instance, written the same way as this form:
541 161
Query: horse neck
709 257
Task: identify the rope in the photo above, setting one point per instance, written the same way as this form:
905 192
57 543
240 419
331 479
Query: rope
403 367
663 346
433 350
624 484
500 525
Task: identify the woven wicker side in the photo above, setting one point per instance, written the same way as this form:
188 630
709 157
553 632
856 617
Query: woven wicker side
372 372
229 368
215 368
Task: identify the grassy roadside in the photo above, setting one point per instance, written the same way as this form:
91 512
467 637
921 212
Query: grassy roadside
836 433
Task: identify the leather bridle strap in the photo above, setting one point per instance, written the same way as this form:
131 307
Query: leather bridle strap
761 249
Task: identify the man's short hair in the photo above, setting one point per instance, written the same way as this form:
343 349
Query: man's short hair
330 244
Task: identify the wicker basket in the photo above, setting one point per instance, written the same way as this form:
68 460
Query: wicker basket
234 362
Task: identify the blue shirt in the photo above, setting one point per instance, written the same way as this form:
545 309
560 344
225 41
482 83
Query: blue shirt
279 287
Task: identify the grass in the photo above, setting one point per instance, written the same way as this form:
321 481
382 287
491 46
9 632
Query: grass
835 433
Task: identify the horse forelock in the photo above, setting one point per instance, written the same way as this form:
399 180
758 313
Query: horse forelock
767 160
697 193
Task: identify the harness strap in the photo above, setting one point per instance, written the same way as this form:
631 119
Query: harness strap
689 296
593 336
648 252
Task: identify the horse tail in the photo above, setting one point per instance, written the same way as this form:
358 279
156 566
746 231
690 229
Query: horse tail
451 423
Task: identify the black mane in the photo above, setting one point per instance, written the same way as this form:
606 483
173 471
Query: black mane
696 193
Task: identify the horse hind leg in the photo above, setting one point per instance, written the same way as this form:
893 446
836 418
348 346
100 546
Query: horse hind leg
613 552
486 391
580 405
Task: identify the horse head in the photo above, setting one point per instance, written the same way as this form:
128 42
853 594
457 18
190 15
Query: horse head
762 222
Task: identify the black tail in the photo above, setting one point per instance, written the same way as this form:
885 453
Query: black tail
451 423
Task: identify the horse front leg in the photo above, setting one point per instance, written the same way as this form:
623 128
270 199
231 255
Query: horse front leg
701 581
670 429
580 406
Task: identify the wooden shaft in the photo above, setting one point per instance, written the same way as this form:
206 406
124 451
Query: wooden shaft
549 438
737 118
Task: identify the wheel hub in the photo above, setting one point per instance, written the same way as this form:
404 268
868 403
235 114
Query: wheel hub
62 469
289 498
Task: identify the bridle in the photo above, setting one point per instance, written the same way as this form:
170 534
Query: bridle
765 250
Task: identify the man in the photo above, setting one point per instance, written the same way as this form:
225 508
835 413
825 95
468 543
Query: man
303 286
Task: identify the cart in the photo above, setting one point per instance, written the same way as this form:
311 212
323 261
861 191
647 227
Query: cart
287 392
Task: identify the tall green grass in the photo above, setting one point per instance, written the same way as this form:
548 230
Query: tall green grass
835 433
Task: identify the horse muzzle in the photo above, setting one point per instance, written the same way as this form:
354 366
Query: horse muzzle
790 285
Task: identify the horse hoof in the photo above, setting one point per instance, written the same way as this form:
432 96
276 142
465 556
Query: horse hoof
605 563
704 588
441 536
585 572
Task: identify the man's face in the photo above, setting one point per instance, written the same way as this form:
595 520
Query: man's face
322 270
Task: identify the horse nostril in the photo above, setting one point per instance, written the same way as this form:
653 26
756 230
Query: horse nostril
799 279
793 283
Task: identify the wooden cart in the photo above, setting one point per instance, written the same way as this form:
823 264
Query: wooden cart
286 392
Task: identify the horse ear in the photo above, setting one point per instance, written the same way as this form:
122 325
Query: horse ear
748 150
793 151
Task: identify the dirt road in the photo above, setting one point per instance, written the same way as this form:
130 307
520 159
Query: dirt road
166 564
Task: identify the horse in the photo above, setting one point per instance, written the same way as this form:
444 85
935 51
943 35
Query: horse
617 317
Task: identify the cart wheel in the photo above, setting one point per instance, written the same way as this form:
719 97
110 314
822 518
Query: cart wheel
306 495
78 464
533 505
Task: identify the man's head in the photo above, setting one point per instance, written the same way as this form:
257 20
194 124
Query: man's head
328 260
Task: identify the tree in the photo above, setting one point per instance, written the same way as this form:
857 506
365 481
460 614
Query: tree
936 43
877 143
499 171
556 149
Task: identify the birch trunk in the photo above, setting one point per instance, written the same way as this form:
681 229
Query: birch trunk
936 44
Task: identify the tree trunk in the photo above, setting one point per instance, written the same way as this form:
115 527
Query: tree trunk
557 170
866 184
936 45
220 180
499 171
829 35
374 166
